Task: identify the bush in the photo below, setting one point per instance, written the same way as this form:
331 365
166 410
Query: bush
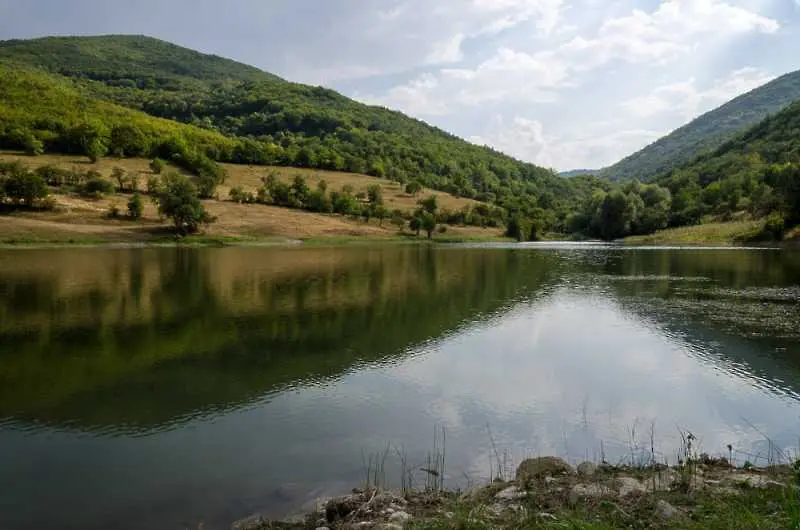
179 201
24 188
157 166
97 186
775 226
135 206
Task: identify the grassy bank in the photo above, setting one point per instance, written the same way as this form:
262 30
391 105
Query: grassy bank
732 233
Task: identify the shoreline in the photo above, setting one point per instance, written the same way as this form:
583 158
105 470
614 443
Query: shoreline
549 493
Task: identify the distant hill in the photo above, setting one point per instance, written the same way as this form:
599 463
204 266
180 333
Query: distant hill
578 172
757 173
709 131
263 119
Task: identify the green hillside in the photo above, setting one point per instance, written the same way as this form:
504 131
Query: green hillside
40 111
274 122
127 60
756 173
709 131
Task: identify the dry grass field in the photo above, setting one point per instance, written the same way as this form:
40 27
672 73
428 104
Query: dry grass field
83 219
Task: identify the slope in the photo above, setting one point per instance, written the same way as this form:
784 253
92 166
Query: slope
709 131
757 172
127 60
288 124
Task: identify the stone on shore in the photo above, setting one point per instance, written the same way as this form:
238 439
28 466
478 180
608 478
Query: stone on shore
539 468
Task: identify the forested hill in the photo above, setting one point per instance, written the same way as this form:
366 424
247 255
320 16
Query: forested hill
709 131
757 172
127 60
272 121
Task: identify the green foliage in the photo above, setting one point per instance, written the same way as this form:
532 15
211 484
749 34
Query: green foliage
708 132
178 200
135 206
157 166
412 188
375 194
756 174
428 223
97 186
20 186
631 209
235 113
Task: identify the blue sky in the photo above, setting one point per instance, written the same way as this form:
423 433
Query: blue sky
562 83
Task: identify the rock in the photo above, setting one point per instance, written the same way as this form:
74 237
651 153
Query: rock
539 468
753 480
587 469
665 510
400 517
512 493
341 507
323 528
589 491
630 486
256 522
391 526
546 516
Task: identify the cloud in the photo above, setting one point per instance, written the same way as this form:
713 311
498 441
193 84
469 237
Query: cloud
586 146
447 51
684 98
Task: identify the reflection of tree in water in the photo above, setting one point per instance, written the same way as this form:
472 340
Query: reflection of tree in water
151 337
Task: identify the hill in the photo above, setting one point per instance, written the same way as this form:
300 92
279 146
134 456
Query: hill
709 131
579 172
269 121
757 174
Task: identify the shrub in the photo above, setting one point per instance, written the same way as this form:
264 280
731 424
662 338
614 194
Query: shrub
179 201
135 206
24 188
97 186
775 226
157 166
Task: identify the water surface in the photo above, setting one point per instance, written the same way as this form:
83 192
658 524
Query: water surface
161 388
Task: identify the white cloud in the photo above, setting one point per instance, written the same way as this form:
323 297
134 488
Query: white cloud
684 99
585 147
447 51
672 35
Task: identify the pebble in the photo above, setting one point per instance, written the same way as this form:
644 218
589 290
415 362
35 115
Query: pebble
400 516
511 493
666 510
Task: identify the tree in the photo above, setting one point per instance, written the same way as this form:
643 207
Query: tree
300 190
375 195
416 224
179 201
515 229
120 176
135 206
33 146
23 187
157 166
428 223
413 188
398 220
430 204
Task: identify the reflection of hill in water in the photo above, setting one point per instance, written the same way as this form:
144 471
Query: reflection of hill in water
138 339
746 304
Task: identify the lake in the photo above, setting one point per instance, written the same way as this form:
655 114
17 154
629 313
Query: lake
160 388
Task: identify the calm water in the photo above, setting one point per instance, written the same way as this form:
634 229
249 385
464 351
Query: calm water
161 388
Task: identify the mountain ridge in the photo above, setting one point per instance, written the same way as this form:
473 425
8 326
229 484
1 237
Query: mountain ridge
708 131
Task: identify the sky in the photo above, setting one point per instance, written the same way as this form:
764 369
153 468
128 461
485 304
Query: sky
562 83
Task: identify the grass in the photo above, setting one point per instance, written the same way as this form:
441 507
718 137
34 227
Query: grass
717 233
